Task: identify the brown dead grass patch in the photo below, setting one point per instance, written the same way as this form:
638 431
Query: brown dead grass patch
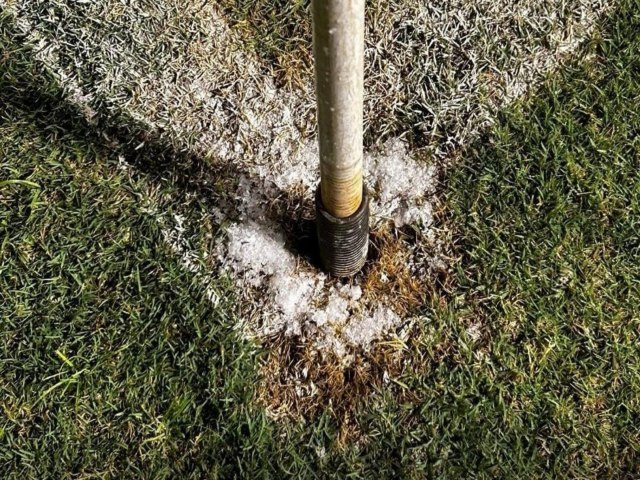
390 276
298 381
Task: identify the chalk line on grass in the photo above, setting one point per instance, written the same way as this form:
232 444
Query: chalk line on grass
176 67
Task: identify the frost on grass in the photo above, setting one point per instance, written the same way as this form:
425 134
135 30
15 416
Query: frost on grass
440 71
437 72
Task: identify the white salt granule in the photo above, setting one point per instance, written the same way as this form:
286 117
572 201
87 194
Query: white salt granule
292 295
257 252
401 184
475 332
363 330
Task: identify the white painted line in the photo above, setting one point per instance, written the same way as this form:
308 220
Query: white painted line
211 97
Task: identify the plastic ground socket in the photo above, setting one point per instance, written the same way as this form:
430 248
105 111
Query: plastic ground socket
343 242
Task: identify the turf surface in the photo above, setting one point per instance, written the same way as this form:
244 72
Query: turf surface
114 362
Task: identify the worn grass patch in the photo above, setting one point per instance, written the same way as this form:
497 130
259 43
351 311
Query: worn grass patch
300 382
389 278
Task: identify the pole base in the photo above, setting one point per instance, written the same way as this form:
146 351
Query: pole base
343 242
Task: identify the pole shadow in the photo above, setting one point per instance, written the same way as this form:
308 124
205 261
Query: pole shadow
28 86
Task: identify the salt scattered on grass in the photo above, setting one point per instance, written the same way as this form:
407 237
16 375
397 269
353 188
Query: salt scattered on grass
402 185
257 251
298 300
210 96
295 300
365 329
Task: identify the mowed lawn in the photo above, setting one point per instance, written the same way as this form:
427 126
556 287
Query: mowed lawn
115 363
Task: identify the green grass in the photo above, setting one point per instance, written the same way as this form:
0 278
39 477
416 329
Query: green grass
114 363
113 360
550 234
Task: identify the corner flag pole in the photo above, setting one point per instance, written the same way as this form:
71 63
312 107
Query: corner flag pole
342 206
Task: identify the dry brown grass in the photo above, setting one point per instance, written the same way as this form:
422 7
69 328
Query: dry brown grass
389 277
298 381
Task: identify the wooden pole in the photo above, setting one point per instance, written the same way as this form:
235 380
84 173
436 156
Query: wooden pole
338 41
